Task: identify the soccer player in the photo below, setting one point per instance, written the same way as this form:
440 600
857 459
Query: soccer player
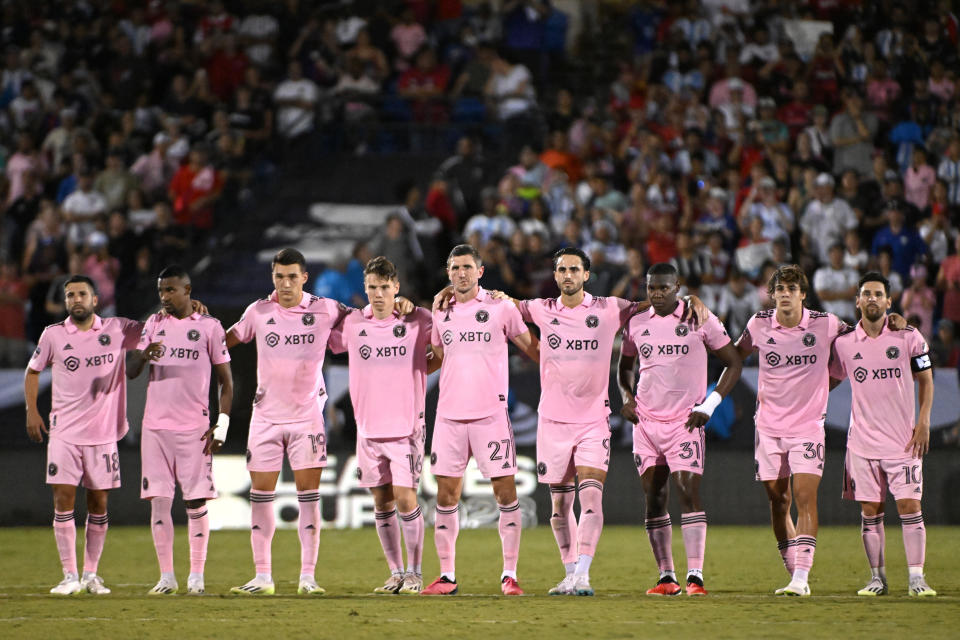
885 445
291 329
87 418
669 411
177 441
388 369
471 336
573 430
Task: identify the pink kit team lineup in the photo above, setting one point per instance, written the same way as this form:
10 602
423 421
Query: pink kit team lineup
392 346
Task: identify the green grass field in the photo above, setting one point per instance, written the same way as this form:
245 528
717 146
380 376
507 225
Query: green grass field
742 570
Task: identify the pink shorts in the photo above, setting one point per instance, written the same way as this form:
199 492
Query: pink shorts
667 444
776 458
305 444
489 440
563 446
95 466
394 461
169 458
866 480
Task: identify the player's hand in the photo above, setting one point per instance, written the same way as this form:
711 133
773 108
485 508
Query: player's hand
442 299
696 420
211 445
403 306
499 295
36 426
920 442
695 311
154 351
896 322
199 307
629 411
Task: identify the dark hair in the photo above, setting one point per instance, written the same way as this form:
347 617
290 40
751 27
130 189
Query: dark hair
465 250
571 251
382 268
662 269
788 274
78 279
174 271
289 256
874 276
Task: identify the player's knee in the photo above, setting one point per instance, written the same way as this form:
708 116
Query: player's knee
908 506
194 504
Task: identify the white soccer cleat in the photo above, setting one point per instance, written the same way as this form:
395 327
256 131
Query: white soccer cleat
195 586
919 588
795 589
392 585
412 584
565 587
165 587
876 587
69 586
255 587
582 586
309 587
94 584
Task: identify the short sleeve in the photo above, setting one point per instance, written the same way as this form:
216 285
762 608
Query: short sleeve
626 309
523 306
834 326
837 371
43 354
217 344
919 352
435 332
146 334
425 319
513 323
132 331
337 342
244 328
714 335
746 338
627 346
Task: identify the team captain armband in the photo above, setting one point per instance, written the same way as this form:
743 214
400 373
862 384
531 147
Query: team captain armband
920 362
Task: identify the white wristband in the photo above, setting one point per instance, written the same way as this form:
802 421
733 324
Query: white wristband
223 423
709 405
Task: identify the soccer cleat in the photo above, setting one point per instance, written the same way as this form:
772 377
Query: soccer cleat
509 587
255 587
164 587
876 587
565 587
309 587
667 586
695 586
794 589
581 586
392 585
412 584
69 586
442 586
195 586
919 588
94 584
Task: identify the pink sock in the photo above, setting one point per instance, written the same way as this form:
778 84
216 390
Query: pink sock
660 532
914 538
96 534
563 522
694 528
65 533
788 551
510 526
388 528
446 528
872 534
198 533
161 525
412 526
591 517
806 547
308 526
262 525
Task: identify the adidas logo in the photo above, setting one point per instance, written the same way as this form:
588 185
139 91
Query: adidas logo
116 477
513 524
158 522
363 332
309 527
442 526
161 332
255 527
858 356
694 464
589 511
917 490
199 535
771 341
867 530
646 332
67 347
554 321
820 466
271 321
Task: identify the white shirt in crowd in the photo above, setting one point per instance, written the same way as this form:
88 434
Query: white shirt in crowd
292 120
829 279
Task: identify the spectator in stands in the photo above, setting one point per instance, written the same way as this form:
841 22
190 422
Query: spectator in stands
918 179
465 173
26 159
737 303
155 169
825 219
395 242
83 210
513 99
296 99
424 86
407 36
948 282
944 347
919 300
949 170
762 202
884 260
904 242
836 286
103 269
115 182
13 297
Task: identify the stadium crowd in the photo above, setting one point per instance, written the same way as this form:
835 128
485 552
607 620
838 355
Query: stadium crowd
727 140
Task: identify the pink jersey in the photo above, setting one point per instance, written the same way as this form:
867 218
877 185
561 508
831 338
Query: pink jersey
89 404
794 378
388 370
575 353
883 410
474 377
179 389
673 362
291 344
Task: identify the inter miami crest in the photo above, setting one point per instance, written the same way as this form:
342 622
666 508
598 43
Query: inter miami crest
592 322
681 330
104 339
482 316
809 339
52 469
307 319
193 335
893 353
399 331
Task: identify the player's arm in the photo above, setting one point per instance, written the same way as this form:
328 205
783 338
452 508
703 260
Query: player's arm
434 358
31 389
232 339
137 359
626 380
694 311
701 413
217 434
744 344
529 344
896 321
920 442
442 299
834 383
